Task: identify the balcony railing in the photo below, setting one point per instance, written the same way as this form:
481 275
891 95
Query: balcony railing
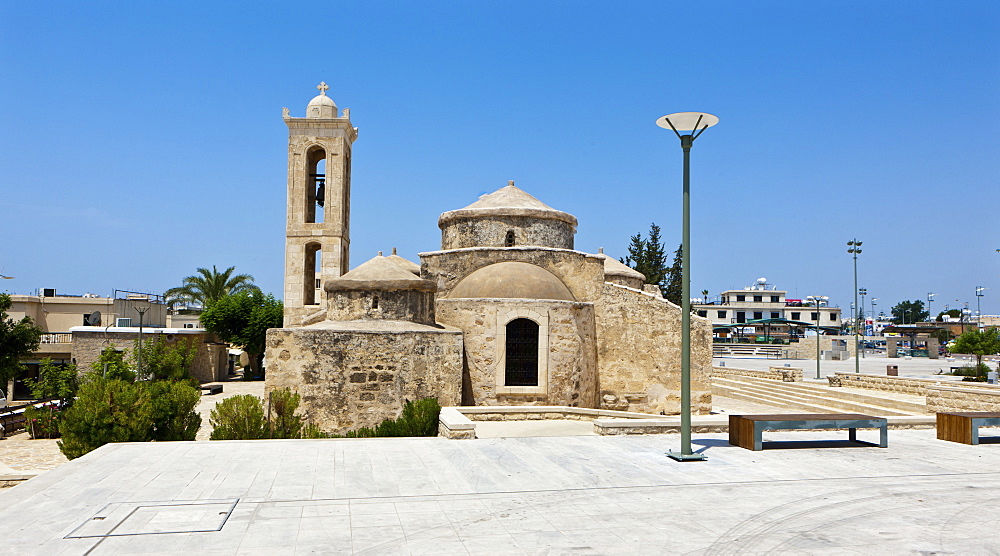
57 338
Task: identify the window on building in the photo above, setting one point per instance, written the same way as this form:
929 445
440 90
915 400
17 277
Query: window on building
796 316
775 315
774 299
813 316
702 313
758 315
741 298
374 302
521 366
741 316
509 240
188 325
722 314
833 316
758 298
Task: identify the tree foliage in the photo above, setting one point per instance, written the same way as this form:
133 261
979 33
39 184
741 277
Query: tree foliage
978 343
17 339
112 365
162 360
953 313
209 286
242 320
673 290
54 381
909 312
648 256
111 410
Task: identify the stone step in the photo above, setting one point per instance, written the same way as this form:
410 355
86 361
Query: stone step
764 398
780 395
915 407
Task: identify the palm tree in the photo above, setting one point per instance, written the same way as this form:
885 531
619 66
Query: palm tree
209 287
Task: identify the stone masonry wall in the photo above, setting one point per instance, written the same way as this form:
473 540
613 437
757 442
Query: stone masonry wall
583 274
210 362
352 379
408 305
946 398
571 365
491 231
639 354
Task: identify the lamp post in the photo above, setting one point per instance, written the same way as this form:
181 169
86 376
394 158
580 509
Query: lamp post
874 299
142 313
695 123
854 247
979 307
816 300
929 296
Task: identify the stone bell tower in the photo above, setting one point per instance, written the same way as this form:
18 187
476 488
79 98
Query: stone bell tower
317 232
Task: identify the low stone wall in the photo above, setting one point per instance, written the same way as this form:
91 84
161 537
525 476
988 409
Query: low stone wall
542 412
983 397
898 384
785 374
452 424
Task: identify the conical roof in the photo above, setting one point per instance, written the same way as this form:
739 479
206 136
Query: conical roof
381 274
614 267
507 201
405 264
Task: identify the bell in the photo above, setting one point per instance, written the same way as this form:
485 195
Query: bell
320 191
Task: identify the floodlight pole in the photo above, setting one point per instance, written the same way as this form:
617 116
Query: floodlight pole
142 313
700 125
855 248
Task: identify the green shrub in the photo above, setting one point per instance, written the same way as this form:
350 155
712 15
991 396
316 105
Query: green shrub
105 411
112 366
282 420
42 422
162 360
54 381
972 373
173 415
419 418
310 430
239 418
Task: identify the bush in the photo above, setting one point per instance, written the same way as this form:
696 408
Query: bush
111 410
972 373
105 411
173 415
42 422
112 366
54 381
419 418
165 361
239 418
244 418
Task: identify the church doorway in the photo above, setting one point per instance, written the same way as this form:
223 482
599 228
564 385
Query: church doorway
522 353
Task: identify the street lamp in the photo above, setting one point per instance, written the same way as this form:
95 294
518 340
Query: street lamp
979 308
854 247
695 123
874 299
929 296
6 277
816 300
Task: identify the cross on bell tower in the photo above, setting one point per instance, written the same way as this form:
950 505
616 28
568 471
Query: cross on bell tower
317 230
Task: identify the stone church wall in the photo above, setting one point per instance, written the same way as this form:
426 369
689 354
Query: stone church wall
211 358
412 306
570 368
349 379
491 231
639 354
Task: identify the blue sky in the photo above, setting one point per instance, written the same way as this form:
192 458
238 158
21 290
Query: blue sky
139 141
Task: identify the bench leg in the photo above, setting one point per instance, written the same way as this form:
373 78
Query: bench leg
975 433
852 435
883 436
758 430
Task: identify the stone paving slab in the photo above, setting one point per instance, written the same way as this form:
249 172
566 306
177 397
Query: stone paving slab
805 493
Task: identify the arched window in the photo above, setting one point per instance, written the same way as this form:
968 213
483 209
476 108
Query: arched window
522 353
315 184
312 265
509 240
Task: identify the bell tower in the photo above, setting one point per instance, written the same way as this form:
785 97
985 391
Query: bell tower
317 229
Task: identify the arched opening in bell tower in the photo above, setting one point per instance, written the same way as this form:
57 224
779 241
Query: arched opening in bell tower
312 266
315 185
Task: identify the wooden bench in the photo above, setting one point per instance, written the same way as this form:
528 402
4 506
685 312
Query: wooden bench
745 430
964 427
211 389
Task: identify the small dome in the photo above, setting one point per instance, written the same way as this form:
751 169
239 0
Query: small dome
507 201
405 264
379 274
613 267
321 106
512 280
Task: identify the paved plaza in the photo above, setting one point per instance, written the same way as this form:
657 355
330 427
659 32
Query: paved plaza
806 493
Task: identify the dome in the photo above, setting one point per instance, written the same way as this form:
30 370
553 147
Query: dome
613 267
321 106
379 274
405 264
508 201
512 280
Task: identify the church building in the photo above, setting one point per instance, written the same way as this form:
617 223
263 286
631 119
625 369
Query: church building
506 312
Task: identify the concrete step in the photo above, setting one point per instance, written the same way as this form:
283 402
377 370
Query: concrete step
785 395
914 407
